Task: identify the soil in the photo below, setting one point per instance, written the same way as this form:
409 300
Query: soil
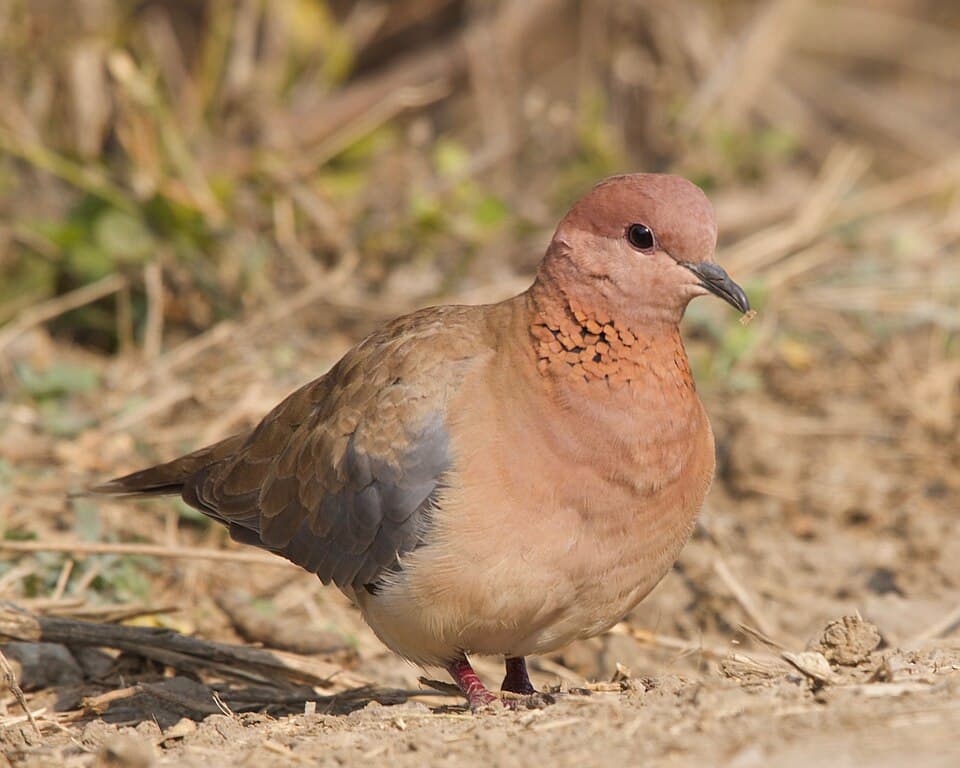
809 621
812 619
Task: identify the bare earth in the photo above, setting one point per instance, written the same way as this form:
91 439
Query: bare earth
831 500
813 618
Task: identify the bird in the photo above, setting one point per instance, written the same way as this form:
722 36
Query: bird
498 479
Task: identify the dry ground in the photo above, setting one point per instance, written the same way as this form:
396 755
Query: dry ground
281 207
828 503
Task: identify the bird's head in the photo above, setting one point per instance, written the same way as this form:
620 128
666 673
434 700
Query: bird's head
640 246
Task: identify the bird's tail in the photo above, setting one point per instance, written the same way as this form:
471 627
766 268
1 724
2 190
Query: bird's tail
169 478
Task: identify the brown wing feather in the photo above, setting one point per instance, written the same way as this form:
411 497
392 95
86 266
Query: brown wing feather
340 476
168 478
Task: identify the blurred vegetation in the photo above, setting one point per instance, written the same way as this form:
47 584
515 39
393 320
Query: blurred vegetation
248 147
193 162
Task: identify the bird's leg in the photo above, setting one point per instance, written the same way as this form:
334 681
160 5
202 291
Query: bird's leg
516 679
469 684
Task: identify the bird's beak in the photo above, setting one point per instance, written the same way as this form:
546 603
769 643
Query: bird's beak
718 282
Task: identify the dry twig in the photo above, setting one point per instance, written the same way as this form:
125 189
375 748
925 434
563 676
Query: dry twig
743 597
178 651
37 314
10 680
78 548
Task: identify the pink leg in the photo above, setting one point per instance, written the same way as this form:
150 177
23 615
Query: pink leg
517 680
469 684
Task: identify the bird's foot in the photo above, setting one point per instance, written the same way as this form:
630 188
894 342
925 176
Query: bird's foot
517 680
478 697
518 691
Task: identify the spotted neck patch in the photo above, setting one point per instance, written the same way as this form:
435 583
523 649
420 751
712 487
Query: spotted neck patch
590 346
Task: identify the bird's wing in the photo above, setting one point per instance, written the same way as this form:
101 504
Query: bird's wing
341 476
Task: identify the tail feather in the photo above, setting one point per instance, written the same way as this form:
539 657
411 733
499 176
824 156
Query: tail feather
169 478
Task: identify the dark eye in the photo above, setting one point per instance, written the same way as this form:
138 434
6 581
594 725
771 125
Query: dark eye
640 236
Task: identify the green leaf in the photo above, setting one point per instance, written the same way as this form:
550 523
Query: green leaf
427 212
58 380
19 534
450 158
89 262
489 212
124 237
64 421
86 520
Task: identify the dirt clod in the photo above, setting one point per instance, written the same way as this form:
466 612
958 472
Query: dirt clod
848 641
125 751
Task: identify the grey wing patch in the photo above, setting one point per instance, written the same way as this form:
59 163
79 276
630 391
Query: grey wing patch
353 535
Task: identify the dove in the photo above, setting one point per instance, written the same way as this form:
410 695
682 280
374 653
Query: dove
500 479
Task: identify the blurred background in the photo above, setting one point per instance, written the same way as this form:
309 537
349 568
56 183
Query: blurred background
204 203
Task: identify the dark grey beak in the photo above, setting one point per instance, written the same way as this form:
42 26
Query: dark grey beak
718 282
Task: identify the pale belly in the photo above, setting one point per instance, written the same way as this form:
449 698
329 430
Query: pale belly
606 571
567 581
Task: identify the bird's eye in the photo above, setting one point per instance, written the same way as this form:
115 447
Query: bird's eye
640 236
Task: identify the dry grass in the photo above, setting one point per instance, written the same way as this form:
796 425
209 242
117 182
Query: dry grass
204 204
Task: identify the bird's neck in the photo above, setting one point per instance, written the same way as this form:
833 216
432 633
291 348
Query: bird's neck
575 340
624 391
